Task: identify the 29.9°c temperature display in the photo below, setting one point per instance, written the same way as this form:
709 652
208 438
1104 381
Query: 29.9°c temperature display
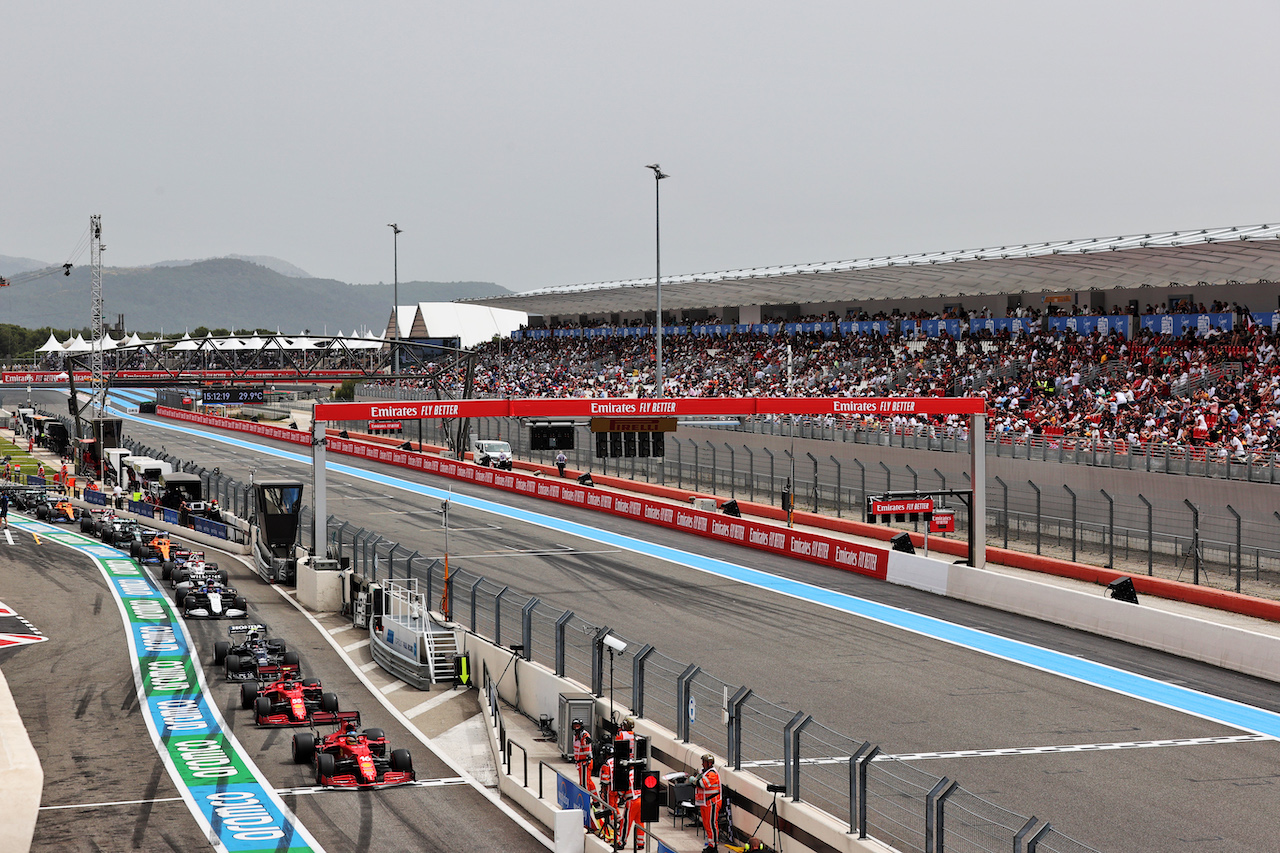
233 396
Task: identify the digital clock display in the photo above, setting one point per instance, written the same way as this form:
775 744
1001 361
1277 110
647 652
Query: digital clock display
233 396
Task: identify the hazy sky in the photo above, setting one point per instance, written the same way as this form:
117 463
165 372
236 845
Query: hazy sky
509 139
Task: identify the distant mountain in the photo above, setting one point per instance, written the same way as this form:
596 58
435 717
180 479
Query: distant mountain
282 267
221 293
12 266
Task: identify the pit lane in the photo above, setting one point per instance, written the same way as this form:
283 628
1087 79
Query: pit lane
105 781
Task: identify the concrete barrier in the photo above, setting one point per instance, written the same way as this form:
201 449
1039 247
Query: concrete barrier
21 777
1221 645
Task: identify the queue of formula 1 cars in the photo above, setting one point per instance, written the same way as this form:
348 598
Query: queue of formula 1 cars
341 753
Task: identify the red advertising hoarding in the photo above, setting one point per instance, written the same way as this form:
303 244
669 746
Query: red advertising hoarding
896 507
634 407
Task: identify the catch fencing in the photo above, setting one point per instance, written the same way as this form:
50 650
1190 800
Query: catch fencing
1159 532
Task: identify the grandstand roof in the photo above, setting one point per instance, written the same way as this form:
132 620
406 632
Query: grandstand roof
470 324
1241 254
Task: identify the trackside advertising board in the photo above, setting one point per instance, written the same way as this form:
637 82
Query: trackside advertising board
225 792
901 506
803 545
633 407
277 433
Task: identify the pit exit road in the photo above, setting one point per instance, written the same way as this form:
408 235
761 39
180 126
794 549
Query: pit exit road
908 693
105 787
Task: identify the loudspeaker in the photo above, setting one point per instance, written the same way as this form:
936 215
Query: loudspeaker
659 442
1121 589
602 445
731 508
902 542
615 444
585 480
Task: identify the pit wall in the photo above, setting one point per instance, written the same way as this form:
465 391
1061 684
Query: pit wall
21 777
1180 635
536 691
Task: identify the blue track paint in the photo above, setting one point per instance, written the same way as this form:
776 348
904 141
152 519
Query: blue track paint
224 791
1214 708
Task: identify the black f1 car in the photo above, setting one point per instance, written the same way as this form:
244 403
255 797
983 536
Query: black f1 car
352 758
255 657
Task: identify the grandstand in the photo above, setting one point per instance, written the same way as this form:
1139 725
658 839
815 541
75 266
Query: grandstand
1155 354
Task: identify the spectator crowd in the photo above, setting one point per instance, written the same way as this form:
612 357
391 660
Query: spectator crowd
1219 391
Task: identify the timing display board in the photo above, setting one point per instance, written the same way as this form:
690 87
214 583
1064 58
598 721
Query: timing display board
229 395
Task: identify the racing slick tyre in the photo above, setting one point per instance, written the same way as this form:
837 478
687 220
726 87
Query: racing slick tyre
261 709
310 682
277 645
326 767
290 658
135 550
223 577
108 535
180 596
232 664
238 603
400 760
166 570
304 747
85 524
378 749
249 695
329 702
220 650
180 575
42 512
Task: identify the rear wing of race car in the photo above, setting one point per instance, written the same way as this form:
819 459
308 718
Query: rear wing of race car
332 718
245 629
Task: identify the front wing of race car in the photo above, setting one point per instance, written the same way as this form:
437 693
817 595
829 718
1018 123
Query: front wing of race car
280 716
385 779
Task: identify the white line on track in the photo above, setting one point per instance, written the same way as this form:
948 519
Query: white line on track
8 536
116 803
358 644
340 629
1033 750
423 707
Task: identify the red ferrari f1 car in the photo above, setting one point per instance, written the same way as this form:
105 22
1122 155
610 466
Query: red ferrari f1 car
352 758
289 702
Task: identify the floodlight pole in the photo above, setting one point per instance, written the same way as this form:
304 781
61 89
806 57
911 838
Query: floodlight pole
658 175
395 296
